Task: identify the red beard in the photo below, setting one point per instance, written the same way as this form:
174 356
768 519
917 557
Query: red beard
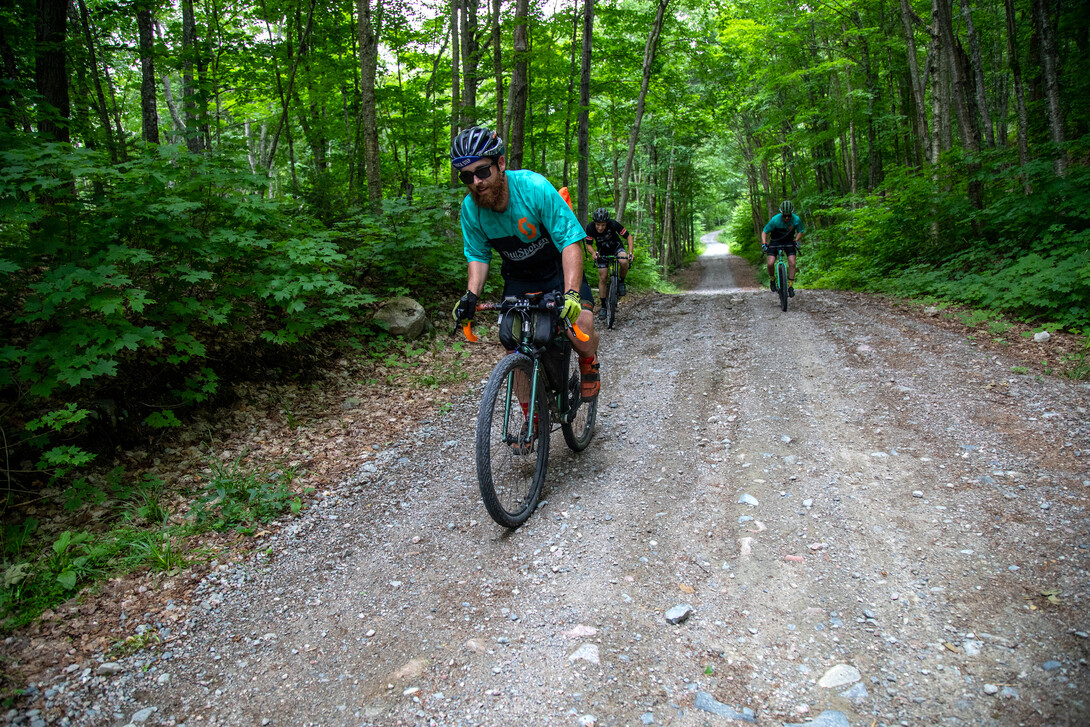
491 193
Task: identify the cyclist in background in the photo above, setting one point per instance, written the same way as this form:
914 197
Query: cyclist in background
607 235
520 215
782 231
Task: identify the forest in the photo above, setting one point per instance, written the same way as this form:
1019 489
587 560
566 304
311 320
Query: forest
193 192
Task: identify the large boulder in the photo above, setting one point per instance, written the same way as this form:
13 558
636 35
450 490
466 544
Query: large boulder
403 317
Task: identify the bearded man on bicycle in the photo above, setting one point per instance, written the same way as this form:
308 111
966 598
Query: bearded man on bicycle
785 230
607 234
520 215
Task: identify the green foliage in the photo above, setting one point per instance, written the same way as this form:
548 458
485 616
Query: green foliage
407 246
239 497
1023 255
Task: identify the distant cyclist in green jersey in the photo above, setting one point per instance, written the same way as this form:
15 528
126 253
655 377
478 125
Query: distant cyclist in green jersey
520 215
782 231
606 236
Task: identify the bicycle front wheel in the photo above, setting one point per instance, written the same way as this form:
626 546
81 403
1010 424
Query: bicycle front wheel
611 301
577 422
512 441
781 284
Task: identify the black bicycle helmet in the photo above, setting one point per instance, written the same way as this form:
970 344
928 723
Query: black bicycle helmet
474 144
786 208
601 215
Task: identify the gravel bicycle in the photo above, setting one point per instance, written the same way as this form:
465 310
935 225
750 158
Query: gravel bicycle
780 274
613 281
529 388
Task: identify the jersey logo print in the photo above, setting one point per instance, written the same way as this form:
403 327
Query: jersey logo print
531 233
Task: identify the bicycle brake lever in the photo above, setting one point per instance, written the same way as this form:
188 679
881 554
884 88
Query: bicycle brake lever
579 333
467 329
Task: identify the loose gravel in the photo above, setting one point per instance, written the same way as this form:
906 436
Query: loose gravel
837 515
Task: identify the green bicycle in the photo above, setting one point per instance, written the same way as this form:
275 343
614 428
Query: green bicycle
529 388
783 283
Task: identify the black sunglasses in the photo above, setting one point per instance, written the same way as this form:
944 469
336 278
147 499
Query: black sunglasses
480 173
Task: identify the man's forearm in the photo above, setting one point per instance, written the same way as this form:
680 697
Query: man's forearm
572 258
478 274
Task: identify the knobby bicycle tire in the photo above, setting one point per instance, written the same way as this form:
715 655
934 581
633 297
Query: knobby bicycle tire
611 301
510 469
781 284
578 423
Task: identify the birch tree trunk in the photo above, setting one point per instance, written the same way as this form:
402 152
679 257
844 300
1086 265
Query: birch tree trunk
648 59
584 113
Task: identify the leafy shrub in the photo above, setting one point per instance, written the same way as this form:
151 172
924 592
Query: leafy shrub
142 271
238 497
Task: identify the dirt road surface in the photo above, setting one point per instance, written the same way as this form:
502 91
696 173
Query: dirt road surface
869 520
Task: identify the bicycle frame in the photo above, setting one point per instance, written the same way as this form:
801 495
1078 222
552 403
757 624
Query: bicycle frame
522 308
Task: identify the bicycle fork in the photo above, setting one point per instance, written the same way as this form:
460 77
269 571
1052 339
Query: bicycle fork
531 412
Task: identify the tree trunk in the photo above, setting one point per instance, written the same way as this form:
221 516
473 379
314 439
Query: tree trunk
668 221
916 82
369 27
1019 93
50 71
96 76
571 88
978 75
940 107
519 85
497 64
584 112
148 112
455 80
471 50
969 133
874 153
850 163
1042 9
649 50
189 100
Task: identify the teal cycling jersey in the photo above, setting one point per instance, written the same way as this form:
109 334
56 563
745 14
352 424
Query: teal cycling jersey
528 235
782 231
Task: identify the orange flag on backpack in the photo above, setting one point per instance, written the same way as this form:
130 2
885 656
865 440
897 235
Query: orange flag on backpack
567 197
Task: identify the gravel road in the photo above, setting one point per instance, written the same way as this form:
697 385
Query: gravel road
865 519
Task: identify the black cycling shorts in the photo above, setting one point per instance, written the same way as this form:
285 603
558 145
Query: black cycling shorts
514 286
790 248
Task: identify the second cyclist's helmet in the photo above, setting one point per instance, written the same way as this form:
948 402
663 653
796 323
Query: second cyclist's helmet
474 144
786 208
601 215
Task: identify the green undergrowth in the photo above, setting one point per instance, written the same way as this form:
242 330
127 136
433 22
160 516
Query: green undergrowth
134 530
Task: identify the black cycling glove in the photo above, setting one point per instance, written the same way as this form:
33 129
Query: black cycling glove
465 308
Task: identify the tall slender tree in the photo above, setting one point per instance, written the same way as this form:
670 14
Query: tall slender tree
583 147
519 85
369 29
648 60
149 113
